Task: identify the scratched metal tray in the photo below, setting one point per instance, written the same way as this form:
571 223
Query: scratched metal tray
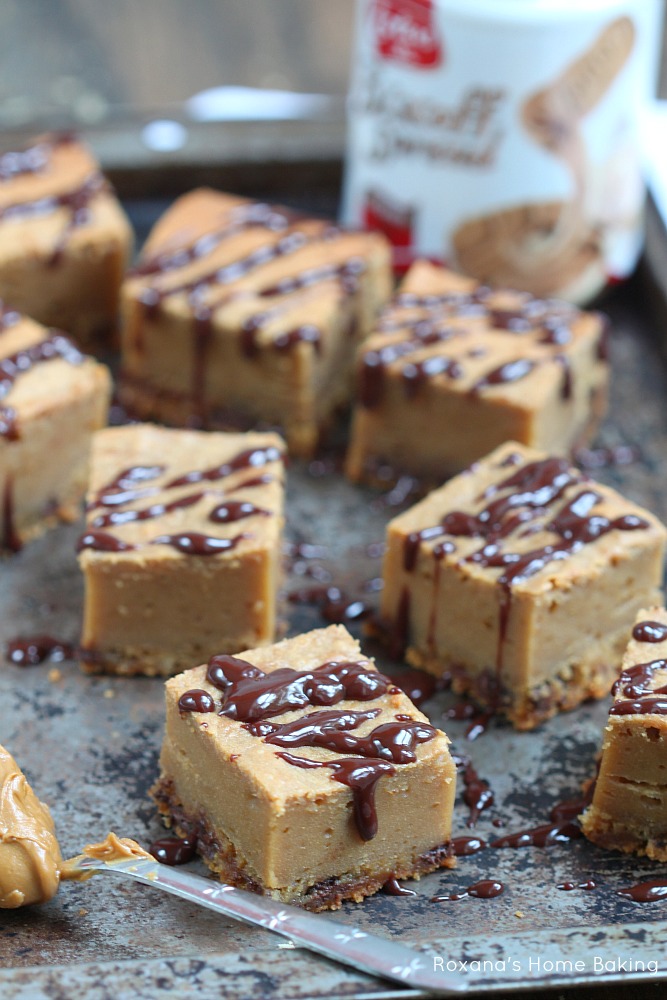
90 745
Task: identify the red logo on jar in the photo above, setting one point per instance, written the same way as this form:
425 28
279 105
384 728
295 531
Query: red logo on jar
405 31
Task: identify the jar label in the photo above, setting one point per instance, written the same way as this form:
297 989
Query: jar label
504 145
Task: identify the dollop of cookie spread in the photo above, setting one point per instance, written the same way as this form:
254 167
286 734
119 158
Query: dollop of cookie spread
112 848
30 859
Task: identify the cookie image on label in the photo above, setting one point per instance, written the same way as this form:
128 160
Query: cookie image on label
553 247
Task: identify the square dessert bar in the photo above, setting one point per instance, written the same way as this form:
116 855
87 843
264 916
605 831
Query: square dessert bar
520 577
52 399
454 369
182 550
244 312
304 773
629 807
64 239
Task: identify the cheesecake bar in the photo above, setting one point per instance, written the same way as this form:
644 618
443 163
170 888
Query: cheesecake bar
520 578
181 555
629 807
304 773
243 312
52 399
454 369
64 239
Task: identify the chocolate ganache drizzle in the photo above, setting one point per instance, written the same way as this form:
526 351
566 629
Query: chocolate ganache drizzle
254 698
136 483
38 159
283 234
12 367
537 497
640 694
546 325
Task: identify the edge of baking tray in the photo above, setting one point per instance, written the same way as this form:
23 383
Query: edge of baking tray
523 961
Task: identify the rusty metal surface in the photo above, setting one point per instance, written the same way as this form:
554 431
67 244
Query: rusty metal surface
89 746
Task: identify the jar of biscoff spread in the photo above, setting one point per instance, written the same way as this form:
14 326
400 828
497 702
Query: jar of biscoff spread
500 136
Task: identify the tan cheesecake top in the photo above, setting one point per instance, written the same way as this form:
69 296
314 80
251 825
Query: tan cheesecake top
276 274
641 689
30 859
304 716
165 494
446 328
524 520
40 369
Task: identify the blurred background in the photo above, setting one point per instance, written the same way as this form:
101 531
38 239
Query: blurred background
165 85
247 95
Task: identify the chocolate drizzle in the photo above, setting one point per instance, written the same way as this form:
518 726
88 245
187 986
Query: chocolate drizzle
646 892
254 698
11 540
562 828
485 889
636 681
32 651
393 888
516 507
54 346
249 694
127 487
173 850
358 774
649 631
282 234
546 325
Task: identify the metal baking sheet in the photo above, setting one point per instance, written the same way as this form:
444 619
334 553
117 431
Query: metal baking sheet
89 745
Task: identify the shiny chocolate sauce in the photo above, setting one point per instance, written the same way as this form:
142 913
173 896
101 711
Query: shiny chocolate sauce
587 886
392 741
654 891
393 888
361 776
76 201
546 322
249 694
655 705
126 488
521 503
30 652
251 458
509 372
649 631
102 541
155 510
54 346
196 700
479 719
603 458
256 214
335 606
477 793
562 828
11 540
254 697
173 850
463 847
485 889
9 428
418 685
8 317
